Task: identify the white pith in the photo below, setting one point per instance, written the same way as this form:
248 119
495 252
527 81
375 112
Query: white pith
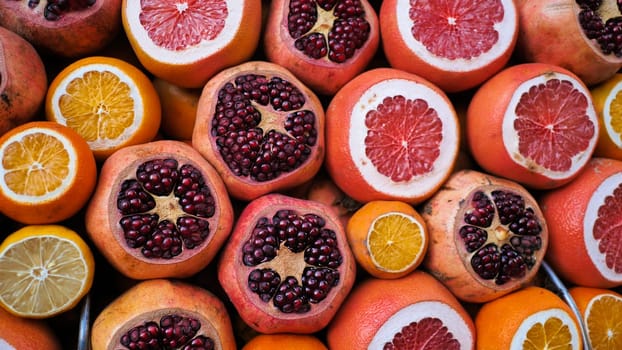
190 54
541 317
369 100
5 346
505 28
67 181
412 220
78 73
510 136
597 200
418 311
613 135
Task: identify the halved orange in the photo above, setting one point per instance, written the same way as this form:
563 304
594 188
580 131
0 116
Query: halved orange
601 310
47 173
607 99
44 270
109 102
389 239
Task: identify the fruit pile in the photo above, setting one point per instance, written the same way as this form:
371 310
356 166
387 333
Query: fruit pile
311 174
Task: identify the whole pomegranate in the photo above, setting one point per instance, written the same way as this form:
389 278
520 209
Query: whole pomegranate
261 128
488 236
287 266
164 314
159 210
583 36
23 80
324 43
66 28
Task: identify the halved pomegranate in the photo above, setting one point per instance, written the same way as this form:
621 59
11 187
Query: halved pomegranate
324 43
159 210
66 28
582 36
287 266
261 128
488 236
164 314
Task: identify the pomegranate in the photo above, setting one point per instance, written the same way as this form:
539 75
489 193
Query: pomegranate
23 81
488 236
582 36
261 128
159 210
164 314
287 266
324 43
65 28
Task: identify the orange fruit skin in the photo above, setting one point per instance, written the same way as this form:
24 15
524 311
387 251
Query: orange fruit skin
358 228
338 159
101 216
484 120
284 341
497 321
401 56
151 120
605 147
151 299
322 75
70 202
26 334
179 109
194 75
373 301
564 210
582 296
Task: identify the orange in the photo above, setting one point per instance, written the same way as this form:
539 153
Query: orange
179 109
583 223
390 135
109 102
284 341
601 310
47 173
188 42
45 270
389 239
531 318
607 99
416 309
21 333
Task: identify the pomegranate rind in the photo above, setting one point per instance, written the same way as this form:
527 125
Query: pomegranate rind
551 33
75 34
322 75
102 216
150 300
245 188
571 225
404 52
492 139
346 161
383 316
24 80
447 258
193 66
262 316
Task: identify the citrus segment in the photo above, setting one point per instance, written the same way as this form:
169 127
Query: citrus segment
601 310
109 102
44 270
395 241
47 172
607 98
550 329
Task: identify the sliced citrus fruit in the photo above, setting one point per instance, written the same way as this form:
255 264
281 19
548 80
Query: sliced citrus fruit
186 42
608 103
388 238
583 219
601 310
540 129
456 45
531 318
44 270
109 102
390 135
47 173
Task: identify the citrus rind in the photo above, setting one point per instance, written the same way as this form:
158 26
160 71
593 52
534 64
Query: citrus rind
408 242
607 329
612 115
565 334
